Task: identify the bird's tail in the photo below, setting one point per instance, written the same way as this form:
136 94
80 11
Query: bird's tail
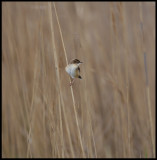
80 77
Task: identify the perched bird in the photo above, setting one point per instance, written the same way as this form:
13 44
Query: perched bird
73 69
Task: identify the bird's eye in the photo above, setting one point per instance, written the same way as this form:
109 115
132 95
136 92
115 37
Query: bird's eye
77 61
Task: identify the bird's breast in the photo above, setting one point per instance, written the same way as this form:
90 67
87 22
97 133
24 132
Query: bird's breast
72 70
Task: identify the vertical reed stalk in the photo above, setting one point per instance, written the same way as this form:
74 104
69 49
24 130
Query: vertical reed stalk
32 108
126 50
113 30
58 76
74 105
147 82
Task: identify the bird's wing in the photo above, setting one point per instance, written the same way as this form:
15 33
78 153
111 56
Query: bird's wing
79 69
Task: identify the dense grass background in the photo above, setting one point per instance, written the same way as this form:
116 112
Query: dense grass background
110 112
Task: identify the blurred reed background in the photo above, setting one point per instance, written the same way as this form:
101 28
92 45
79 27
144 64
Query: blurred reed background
110 112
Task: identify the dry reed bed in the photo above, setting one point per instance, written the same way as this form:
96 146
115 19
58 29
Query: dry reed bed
110 112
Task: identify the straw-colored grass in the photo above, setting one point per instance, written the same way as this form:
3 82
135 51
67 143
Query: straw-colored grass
110 112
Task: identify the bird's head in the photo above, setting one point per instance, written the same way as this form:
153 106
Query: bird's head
75 61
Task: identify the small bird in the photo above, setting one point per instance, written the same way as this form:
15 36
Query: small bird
73 69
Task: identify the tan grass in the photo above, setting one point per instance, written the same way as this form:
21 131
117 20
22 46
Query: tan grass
110 112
